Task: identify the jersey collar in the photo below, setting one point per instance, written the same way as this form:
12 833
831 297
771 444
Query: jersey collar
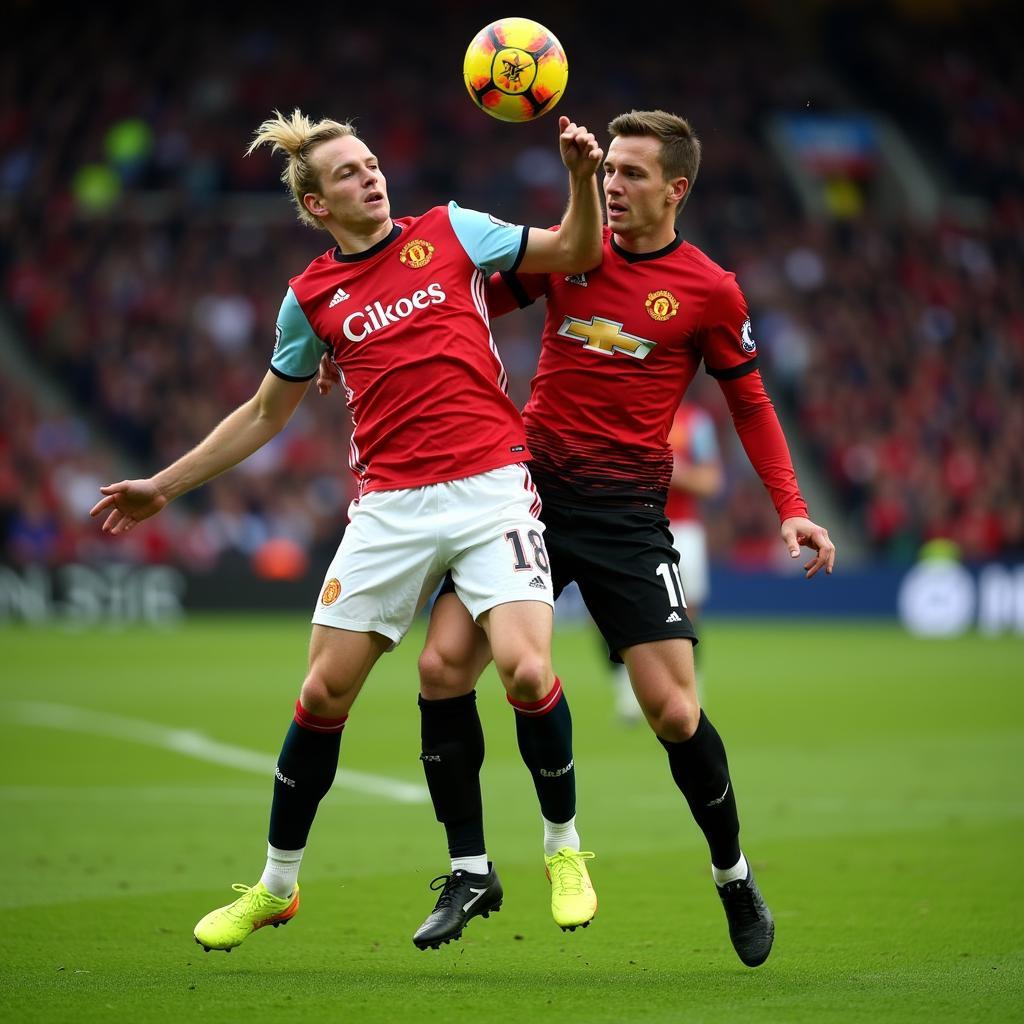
640 257
356 257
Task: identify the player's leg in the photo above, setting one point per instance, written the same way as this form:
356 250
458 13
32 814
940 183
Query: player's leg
339 661
520 638
663 677
504 578
630 583
626 569
381 573
454 655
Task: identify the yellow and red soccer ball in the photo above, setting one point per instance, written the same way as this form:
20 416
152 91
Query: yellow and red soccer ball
515 69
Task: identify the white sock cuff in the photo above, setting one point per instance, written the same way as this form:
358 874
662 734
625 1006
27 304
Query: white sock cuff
284 856
737 871
474 865
558 834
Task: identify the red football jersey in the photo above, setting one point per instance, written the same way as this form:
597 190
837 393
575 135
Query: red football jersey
407 324
621 344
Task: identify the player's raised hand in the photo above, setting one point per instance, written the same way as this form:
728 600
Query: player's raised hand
580 152
328 375
799 532
129 502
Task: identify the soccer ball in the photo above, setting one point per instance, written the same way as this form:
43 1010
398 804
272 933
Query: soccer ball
515 69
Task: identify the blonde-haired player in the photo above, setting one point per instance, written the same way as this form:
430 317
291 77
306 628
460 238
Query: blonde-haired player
438 451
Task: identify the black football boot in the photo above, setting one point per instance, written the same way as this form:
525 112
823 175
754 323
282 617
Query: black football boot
463 896
751 927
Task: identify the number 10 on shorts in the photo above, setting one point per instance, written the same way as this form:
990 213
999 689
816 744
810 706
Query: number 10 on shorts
536 542
669 572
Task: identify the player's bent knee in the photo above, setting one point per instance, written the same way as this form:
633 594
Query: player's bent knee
322 696
442 677
431 667
530 679
676 721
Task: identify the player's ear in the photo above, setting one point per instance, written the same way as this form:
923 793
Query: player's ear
677 189
314 204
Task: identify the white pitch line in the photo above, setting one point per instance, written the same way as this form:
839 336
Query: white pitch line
194 744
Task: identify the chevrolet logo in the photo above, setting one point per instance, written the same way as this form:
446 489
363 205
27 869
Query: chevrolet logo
605 336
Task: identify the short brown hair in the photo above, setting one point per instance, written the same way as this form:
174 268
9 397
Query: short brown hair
297 137
680 147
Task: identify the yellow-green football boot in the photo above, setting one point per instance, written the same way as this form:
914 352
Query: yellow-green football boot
573 900
257 907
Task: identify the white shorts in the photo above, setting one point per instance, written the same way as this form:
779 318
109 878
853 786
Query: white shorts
691 543
399 544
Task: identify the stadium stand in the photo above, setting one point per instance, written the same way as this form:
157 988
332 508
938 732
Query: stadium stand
143 258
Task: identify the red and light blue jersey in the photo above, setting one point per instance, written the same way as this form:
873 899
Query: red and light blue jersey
406 322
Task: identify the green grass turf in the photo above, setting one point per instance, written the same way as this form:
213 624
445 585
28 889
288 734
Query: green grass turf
879 786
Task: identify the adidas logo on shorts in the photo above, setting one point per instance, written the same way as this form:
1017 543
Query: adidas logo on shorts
538 582
673 617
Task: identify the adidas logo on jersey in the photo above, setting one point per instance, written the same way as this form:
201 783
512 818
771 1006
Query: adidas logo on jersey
673 617
538 582
339 296
580 279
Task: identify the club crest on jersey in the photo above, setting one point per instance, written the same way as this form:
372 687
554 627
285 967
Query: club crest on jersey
332 591
580 279
416 253
661 305
748 343
605 336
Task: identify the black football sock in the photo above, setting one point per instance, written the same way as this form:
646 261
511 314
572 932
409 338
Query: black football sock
452 755
544 731
701 771
305 772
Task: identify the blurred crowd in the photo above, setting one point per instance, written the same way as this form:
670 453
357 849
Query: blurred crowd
143 258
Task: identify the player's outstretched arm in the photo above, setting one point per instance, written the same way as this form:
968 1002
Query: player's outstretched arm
797 532
235 438
576 246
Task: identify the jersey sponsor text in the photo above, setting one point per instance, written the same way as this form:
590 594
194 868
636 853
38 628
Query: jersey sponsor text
376 316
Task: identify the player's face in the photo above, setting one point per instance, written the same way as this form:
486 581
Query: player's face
353 193
637 195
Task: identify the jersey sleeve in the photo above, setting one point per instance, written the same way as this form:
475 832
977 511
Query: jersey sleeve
297 350
508 290
724 334
761 435
490 243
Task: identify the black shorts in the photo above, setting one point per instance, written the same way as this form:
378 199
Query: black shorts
626 567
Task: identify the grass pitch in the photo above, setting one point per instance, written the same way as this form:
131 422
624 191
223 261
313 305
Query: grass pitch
878 780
